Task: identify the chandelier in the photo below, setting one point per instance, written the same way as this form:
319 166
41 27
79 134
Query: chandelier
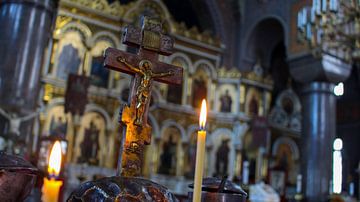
331 27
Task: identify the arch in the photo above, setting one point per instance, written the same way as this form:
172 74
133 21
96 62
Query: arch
173 95
252 92
54 110
140 5
220 131
221 91
289 93
53 103
154 125
107 36
288 141
211 70
183 56
84 30
266 17
250 44
157 97
96 108
93 118
213 141
192 128
167 123
217 18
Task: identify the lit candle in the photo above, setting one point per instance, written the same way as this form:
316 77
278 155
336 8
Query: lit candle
200 154
51 187
351 189
246 173
298 184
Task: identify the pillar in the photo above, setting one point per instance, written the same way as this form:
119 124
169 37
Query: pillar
318 132
318 76
26 26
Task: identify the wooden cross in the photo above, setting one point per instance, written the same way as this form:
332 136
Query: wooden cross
150 42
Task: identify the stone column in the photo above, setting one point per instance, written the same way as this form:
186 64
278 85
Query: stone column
318 131
318 119
26 26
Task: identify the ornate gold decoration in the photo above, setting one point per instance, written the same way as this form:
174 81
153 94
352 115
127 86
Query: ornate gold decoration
254 77
229 73
195 34
61 21
331 27
48 92
114 9
152 7
149 7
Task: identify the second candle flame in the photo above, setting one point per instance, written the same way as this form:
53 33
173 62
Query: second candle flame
202 120
55 159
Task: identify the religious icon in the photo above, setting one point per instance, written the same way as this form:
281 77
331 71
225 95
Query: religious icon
253 107
90 145
174 94
260 133
191 157
76 94
58 128
99 75
143 90
69 62
199 92
168 157
226 102
222 158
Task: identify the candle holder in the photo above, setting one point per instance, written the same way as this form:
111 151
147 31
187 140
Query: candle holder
220 190
121 189
17 177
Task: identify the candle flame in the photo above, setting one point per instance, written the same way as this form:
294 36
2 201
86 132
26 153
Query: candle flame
55 159
202 120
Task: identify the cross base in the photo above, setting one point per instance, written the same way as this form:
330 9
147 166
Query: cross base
136 138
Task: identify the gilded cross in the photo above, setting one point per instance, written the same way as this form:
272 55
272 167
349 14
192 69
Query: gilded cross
145 66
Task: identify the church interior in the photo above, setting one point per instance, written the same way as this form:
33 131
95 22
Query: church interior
281 79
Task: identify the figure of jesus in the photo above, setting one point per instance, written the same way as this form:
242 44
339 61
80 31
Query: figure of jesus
143 90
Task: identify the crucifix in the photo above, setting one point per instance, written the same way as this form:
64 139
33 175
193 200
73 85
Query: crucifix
150 41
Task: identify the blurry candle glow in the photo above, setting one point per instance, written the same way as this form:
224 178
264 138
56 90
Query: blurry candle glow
202 119
337 166
339 89
55 159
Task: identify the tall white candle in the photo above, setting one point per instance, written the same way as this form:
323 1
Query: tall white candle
245 175
351 189
200 154
298 183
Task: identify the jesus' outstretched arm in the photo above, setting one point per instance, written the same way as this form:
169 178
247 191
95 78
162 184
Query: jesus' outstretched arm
122 60
163 74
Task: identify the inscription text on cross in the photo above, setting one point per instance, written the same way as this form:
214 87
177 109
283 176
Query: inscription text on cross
150 42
